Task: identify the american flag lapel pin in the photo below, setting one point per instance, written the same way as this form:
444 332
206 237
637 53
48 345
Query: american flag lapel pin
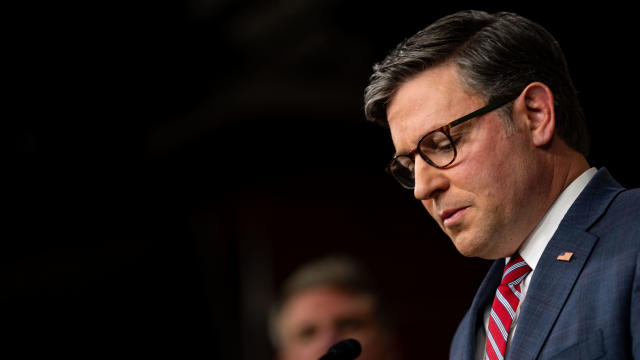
565 256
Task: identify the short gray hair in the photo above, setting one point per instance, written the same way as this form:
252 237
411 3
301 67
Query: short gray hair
498 55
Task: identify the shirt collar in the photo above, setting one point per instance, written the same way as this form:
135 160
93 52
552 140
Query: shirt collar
532 248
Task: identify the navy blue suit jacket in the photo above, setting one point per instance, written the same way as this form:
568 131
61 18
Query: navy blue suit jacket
586 308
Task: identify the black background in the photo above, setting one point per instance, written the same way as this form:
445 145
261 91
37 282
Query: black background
171 162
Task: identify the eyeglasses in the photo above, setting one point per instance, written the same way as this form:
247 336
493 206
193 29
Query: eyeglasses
437 148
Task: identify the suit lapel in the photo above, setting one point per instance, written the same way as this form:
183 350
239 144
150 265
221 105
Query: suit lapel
553 280
473 321
550 286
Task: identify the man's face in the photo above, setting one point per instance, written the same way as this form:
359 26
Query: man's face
481 202
315 319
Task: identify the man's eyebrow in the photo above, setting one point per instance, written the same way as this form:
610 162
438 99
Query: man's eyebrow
414 142
422 135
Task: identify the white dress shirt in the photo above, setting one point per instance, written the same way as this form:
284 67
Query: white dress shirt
532 248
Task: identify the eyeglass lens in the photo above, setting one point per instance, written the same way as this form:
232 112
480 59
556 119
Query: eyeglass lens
436 147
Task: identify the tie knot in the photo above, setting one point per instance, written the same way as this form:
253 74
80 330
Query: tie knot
515 271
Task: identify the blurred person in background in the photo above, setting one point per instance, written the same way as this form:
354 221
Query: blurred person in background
326 301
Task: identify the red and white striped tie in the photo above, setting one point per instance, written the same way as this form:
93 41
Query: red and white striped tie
504 307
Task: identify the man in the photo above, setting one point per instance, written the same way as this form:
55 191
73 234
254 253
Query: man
326 301
490 136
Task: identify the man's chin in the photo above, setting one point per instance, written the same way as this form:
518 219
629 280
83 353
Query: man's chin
463 246
479 252
468 248
467 252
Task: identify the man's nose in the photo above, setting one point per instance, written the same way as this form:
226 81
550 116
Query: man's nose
429 181
328 339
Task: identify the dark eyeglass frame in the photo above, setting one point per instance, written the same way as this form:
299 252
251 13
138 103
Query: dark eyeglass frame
446 131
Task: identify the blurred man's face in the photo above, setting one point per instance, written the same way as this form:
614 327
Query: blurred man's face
315 319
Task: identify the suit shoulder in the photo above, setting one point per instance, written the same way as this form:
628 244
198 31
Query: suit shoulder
622 218
632 195
628 201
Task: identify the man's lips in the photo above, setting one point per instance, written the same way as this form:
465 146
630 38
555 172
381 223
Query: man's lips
449 216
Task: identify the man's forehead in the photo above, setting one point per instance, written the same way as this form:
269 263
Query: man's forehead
427 101
326 295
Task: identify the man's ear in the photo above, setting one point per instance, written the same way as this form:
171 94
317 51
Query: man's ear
539 113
